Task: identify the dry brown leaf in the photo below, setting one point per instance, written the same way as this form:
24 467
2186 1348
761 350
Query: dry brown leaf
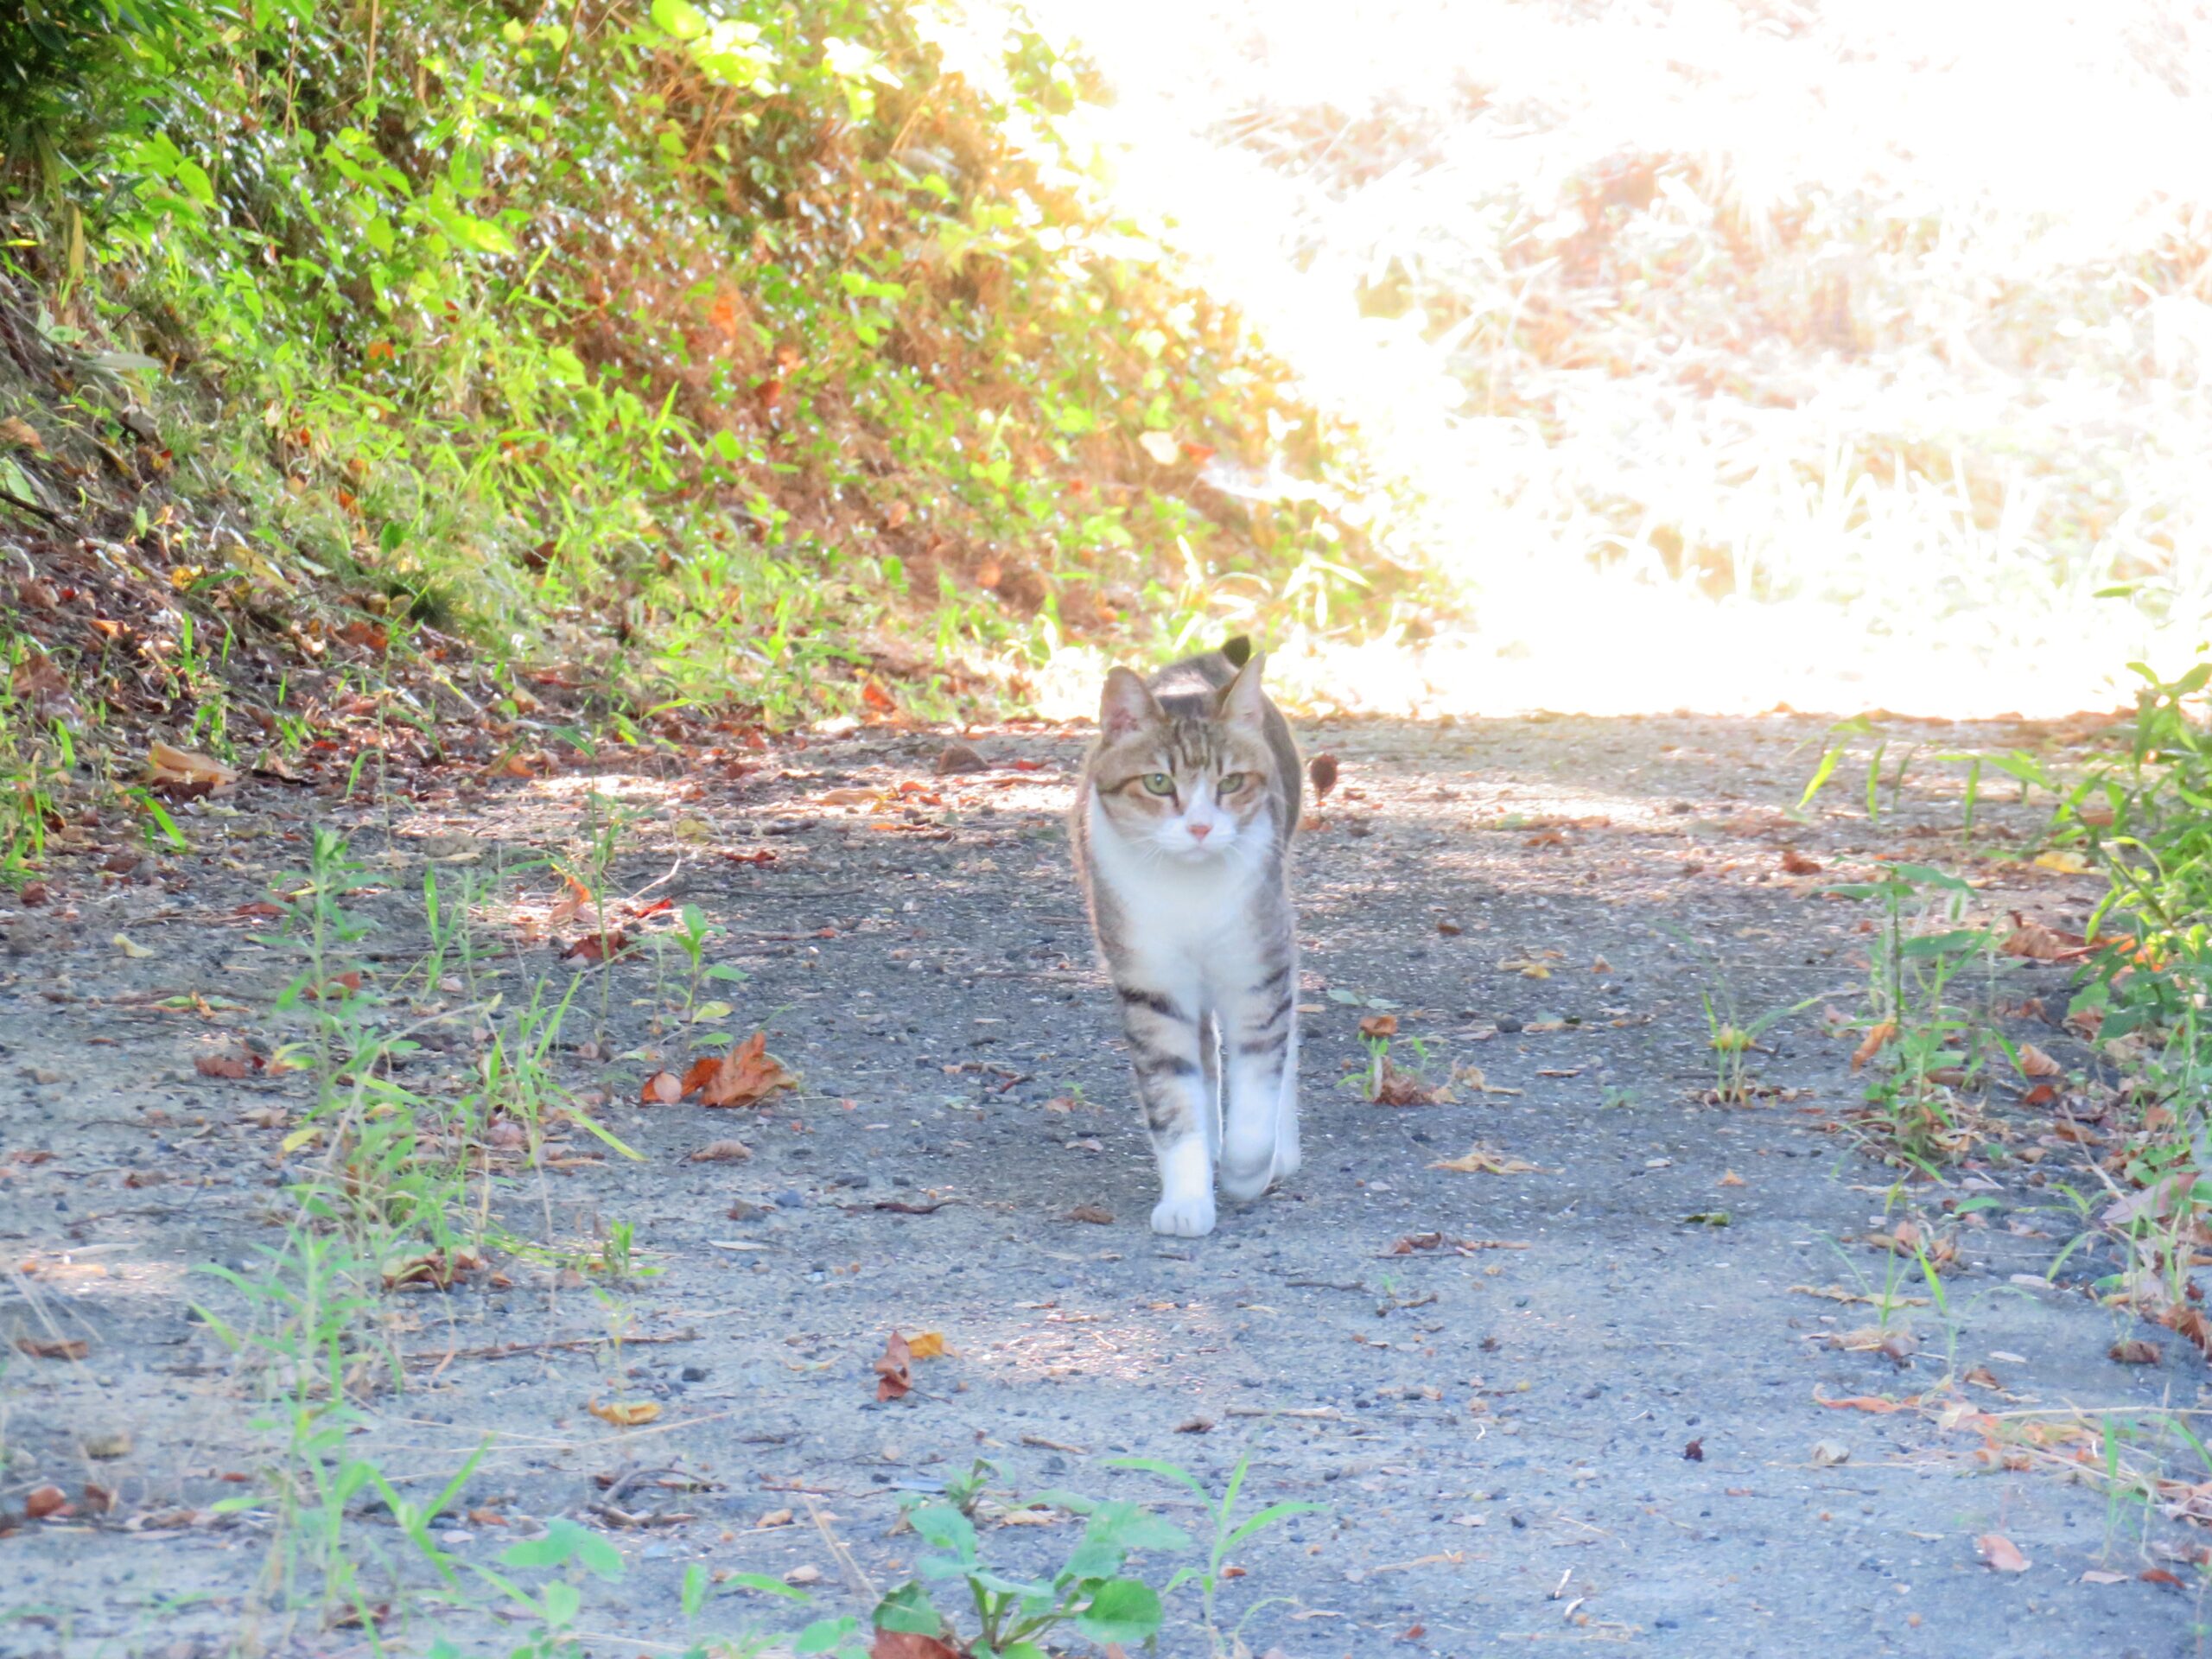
624 1414
720 1152
1379 1025
1730 1178
1797 863
2135 1350
1322 769
2190 1323
910 1645
574 897
605 944
1827 1454
2100 1575
54 1347
928 1344
745 1075
2037 942
662 1089
1097 1215
2034 1062
895 1370
20 434
1485 1160
1401 1088
2000 1553
1876 1040
182 772
43 1501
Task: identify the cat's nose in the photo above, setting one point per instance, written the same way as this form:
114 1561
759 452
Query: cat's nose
1200 831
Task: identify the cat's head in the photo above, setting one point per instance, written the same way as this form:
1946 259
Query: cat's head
1192 786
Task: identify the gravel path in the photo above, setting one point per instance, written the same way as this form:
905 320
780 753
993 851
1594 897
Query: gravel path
1584 1415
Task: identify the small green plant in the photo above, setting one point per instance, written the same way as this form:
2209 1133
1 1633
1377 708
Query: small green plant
1225 1530
1090 1594
1927 1052
1732 1039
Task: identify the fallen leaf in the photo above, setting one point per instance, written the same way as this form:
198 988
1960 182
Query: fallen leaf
849 796
182 772
1471 1076
1730 1178
911 1644
1827 1454
1379 1025
2000 1553
2135 1350
1160 447
1485 1160
20 434
662 1089
1322 769
720 1152
54 1347
1401 1088
1195 1426
131 948
1097 1215
955 758
2039 943
2034 1062
745 1075
927 1345
43 1501
1876 1040
775 1518
809 1574
1797 863
109 1445
2159 1575
222 1065
2066 864
624 1414
895 1370
2191 1323
2099 1575
1694 1452
608 945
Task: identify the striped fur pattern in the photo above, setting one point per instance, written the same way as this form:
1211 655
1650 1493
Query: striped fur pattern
1182 831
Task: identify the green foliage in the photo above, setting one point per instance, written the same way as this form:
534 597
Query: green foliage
693 344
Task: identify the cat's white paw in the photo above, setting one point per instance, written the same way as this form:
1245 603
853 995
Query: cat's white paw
1246 1181
1189 1216
1287 1154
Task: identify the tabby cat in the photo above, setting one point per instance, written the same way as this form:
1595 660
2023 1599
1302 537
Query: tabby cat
1182 831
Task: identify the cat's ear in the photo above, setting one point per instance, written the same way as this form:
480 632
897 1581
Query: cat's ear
1243 701
1125 706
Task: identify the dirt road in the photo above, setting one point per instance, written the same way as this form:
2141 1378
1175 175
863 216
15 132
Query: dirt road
1592 1411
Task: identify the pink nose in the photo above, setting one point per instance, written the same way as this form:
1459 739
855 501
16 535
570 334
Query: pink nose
1200 831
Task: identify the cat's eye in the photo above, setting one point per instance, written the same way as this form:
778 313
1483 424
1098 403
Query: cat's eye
1159 783
1230 783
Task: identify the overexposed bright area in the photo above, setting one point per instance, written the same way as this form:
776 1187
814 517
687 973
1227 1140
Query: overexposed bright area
1728 353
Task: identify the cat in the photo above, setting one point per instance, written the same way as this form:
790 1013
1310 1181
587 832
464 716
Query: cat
1181 830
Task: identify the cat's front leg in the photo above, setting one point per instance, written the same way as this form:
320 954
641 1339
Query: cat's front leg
1259 1028
1174 1090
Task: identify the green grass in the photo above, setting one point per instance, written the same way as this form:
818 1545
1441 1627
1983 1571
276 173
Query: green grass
782 360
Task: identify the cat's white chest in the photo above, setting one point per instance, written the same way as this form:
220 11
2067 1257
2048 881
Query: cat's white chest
1175 907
